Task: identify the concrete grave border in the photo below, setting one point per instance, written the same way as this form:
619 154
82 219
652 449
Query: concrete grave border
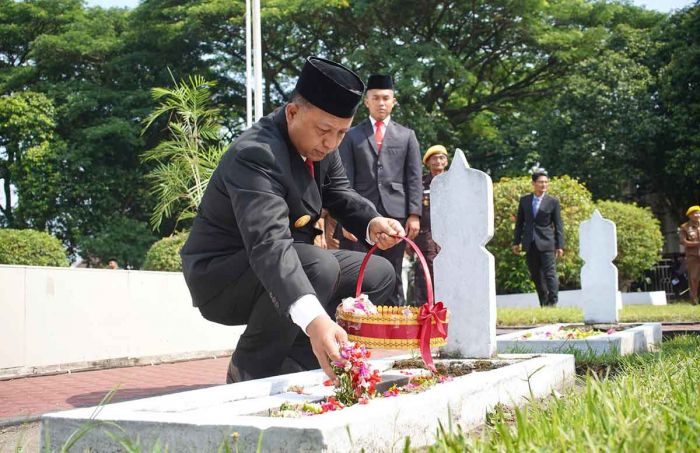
645 337
200 420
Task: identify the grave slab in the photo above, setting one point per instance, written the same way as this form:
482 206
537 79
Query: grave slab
639 338
201 420
600 298
461 216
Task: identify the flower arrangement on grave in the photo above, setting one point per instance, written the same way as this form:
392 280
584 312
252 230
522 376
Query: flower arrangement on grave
566 333
395 327
357 381
357 384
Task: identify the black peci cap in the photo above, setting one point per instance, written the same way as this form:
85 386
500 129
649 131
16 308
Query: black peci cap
380 82
330 86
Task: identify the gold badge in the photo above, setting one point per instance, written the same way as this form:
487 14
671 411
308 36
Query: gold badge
302 221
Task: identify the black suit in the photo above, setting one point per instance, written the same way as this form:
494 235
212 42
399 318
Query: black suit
391 178
541 235
249 258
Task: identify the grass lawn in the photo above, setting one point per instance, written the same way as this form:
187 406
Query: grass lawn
652 404
631 313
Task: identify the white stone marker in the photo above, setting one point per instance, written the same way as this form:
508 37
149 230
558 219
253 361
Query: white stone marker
461 213
598 248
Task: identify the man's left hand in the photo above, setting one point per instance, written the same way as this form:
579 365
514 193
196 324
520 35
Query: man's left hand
385 232
559 253
412 226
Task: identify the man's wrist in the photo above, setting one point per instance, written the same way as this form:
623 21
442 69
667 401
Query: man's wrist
368 238
305 309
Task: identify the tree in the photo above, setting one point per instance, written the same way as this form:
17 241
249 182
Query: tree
187 159
26 128
21 23
678 63
121 238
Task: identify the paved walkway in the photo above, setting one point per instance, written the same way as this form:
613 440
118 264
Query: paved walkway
33 396
27 398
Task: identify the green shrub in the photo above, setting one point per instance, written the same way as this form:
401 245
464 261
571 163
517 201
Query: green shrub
164 255
123 239
639 239
31 248
512 275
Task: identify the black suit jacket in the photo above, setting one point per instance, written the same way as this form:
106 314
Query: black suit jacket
247 216
392 175
546 228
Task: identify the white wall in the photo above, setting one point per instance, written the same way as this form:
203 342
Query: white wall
572 298
53 316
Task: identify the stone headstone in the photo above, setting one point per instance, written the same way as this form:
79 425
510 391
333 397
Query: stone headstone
600 297
461 213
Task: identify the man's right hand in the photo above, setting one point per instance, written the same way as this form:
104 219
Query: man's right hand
326 337
349 236
516 249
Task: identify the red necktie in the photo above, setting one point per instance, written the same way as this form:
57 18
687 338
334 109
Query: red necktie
310 166
378 136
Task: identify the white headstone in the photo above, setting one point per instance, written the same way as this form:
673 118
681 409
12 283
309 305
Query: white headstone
598 248
461 213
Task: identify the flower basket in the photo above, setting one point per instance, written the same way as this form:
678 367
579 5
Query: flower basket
421 327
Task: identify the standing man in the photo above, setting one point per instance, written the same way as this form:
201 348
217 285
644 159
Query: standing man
250 257
690 239
382 161
540 231
436 160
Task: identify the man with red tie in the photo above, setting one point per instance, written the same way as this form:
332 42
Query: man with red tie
382 161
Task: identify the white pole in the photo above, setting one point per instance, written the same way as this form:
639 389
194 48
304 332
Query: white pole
257 60
248 68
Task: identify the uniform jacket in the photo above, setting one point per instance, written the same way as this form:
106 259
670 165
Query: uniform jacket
546 228
690 232
424 240
247 216
392 175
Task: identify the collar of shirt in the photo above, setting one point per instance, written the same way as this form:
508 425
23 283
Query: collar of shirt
539 198
384 123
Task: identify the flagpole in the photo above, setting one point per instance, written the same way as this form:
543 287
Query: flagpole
248 67
257 60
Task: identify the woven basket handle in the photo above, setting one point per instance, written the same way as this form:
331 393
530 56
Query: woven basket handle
426 273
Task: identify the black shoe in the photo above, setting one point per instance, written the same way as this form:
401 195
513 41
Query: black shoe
235 374
289 365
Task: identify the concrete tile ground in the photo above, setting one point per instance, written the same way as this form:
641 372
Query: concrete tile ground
20 438
33 396
27 398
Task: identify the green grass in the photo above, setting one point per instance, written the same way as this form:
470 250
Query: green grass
631 313
652 404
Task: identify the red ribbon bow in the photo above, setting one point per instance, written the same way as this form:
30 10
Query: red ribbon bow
428 314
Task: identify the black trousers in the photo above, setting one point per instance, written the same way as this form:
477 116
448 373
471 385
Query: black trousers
543 271
421 288
269 337
394 255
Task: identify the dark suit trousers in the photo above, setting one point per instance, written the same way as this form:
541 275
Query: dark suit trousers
543 271
430 251
395 257
269 338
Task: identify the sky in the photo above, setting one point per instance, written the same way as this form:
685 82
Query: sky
659 5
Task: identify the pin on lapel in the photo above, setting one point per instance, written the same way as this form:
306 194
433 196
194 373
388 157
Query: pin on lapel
302 221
